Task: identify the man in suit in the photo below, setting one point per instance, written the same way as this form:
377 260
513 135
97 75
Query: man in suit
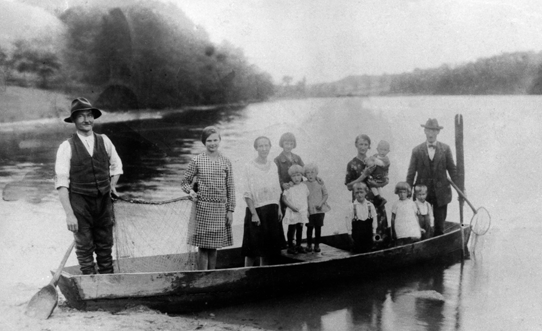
428 165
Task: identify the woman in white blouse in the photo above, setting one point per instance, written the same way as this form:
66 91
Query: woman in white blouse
262 227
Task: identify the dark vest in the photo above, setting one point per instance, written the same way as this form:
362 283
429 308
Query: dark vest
89 175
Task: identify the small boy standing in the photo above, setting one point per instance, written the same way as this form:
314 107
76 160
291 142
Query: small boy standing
317 206
364 219
425 211
379 175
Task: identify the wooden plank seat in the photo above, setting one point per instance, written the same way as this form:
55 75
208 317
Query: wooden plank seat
327 253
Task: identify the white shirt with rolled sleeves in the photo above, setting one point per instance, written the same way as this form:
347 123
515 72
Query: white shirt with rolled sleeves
64 155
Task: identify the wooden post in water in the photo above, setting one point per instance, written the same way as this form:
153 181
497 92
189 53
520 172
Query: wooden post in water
460 156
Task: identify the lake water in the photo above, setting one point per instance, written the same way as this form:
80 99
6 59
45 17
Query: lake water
497 288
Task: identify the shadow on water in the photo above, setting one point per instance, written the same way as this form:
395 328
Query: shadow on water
154 151
415 298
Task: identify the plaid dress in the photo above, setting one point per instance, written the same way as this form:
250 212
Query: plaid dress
216 196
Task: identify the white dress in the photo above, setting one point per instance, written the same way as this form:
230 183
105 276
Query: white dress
297 195
406 219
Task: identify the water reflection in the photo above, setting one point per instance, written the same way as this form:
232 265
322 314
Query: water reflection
421 298
154 152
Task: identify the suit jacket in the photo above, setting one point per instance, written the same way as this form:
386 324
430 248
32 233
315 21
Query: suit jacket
420 172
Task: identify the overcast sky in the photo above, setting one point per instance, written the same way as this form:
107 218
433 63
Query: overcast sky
326 40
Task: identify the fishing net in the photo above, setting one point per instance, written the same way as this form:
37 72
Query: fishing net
480 221
152 236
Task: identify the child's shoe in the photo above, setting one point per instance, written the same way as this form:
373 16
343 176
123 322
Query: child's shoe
308 249
301 250
291 250
317 248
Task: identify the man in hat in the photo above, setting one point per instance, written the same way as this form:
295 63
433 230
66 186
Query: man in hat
428 166
87 170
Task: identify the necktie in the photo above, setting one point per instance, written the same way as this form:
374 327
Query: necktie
431 146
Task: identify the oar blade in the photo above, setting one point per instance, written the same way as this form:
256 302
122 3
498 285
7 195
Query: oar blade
43 303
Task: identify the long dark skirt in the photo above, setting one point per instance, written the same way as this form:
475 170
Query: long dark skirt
264 239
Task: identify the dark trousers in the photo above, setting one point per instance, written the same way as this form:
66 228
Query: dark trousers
362 234
425 224
297 230
439 213
440 216
315 223
95 234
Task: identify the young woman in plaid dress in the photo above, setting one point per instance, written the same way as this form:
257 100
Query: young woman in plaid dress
215 200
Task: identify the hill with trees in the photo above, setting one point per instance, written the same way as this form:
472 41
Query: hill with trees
133 55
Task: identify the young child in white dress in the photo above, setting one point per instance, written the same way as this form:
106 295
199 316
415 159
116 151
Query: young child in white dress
296 199
404 217
425 211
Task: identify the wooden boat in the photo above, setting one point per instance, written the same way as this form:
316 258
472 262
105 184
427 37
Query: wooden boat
177 291
181 291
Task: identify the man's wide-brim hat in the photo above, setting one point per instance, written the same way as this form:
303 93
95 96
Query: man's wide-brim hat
80 104
432 123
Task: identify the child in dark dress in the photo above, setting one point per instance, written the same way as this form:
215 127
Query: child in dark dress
286 159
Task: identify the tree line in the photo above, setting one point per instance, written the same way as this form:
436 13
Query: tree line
146 54
508 73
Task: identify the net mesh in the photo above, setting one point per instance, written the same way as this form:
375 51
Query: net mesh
481 221
152 236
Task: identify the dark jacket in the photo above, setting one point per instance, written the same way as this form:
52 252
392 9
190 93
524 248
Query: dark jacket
420 172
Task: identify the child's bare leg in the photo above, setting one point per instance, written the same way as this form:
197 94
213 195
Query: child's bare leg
317 235
379 201
309 237
291 234
298 237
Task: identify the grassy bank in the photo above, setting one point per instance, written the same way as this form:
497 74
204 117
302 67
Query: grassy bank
21 104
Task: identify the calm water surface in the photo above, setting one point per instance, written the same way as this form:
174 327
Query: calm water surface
497 288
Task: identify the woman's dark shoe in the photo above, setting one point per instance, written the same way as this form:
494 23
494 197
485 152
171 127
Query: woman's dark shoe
316 248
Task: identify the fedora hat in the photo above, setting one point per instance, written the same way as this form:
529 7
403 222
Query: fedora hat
82 104
432 123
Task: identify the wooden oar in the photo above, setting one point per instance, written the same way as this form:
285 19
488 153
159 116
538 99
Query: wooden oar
44 302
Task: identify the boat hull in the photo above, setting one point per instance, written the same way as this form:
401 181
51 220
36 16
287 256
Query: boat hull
181 291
